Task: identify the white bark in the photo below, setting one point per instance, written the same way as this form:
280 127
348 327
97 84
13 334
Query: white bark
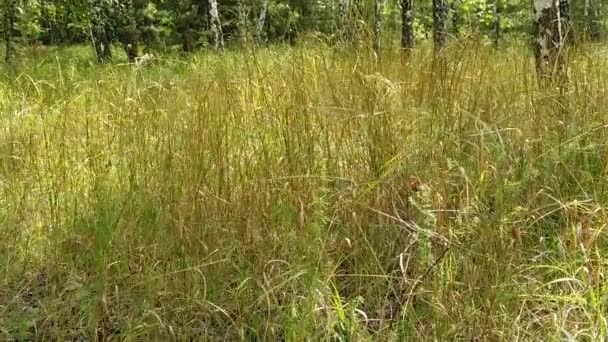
343 11
216 25
407 24
549 38
540 6
259 34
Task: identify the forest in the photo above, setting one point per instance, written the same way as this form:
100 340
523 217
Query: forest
303 170
157 26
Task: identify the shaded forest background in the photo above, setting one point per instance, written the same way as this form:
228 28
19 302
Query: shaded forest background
155 26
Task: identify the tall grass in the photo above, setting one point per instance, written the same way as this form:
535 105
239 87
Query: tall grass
304 193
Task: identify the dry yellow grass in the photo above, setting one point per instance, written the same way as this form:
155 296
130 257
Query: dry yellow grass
303 193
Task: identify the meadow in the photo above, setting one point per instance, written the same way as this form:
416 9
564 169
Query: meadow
304 192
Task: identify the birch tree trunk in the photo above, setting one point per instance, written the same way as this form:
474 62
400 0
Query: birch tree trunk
243 24
440 11
378 11
549 39
259 32
343 22
407 24
216 25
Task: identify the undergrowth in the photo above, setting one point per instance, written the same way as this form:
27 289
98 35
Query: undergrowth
304 193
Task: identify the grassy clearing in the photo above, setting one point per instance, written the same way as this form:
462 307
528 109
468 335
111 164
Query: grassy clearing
304 193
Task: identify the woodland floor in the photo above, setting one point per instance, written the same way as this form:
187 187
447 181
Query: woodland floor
304 193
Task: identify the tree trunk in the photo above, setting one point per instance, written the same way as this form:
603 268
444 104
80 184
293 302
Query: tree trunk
203 12
243 23
216 25
46 24
343 22
591 21
378 9
9 29
407 24
564 16
259 32
188 40
102 45
497 18
130 42
549 40
100 35
440 10
132 51
203 15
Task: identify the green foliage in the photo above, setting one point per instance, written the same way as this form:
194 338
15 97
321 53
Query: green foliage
282 20
28 24
159 24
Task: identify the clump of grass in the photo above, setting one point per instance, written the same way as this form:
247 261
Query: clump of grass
303 193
